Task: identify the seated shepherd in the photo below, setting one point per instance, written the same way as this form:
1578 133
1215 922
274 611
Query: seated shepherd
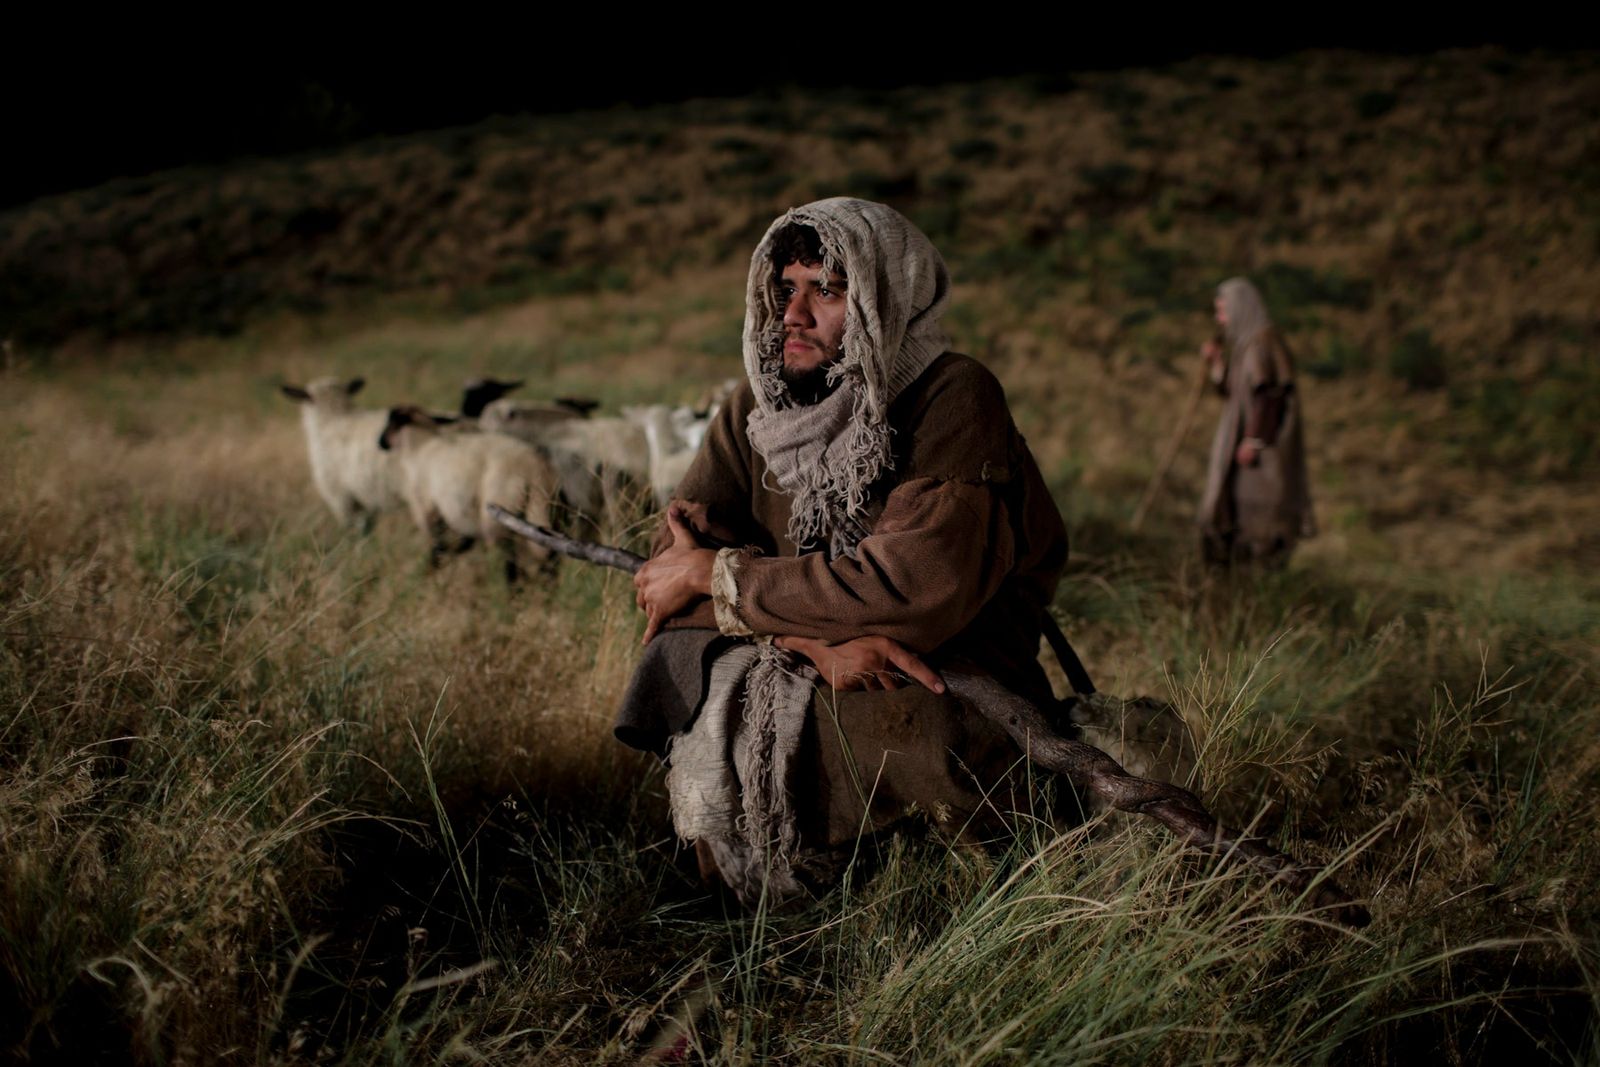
863 513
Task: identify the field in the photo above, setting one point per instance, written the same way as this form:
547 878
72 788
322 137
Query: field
276 792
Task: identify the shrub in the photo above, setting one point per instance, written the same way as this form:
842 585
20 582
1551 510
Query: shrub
1147 271
949 183
594 210
1339 357
749 163
734 143
1417 361
854 132
871 185
1111 180
1118 95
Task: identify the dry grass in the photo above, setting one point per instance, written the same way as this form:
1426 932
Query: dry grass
273 792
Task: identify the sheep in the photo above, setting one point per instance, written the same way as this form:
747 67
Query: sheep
676 440
713 397
449 481
479 393
357 480
596 459
674 436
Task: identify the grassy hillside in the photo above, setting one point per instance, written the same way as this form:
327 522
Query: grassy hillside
273 792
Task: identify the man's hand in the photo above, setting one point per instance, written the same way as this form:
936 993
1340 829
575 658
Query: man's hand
864 663
1247 453
1211 351
676 578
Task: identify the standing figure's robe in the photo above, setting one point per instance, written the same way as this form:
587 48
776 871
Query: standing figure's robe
1260 511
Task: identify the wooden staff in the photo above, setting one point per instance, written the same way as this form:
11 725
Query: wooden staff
605 555
1173 446
1086 767
1093 772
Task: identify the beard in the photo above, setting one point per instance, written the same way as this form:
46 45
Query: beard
808 387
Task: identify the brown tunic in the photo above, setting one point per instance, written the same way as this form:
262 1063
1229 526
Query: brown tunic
965 550
966 545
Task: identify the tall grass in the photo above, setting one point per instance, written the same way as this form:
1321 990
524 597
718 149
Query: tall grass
278 793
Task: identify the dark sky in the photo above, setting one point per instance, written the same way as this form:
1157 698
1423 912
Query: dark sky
138 99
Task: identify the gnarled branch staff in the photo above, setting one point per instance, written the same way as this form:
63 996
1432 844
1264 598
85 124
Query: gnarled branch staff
605 555
1092 771
1086 767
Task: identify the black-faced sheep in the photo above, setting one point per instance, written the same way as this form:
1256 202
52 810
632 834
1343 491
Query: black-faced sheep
479 393
598 460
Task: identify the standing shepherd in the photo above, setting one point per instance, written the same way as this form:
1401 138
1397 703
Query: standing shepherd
862 513
1257 500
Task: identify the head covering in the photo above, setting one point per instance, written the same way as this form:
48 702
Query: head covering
825 456
1247 313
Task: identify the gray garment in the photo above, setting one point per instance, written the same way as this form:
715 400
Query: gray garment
668 687
1262 509
731 779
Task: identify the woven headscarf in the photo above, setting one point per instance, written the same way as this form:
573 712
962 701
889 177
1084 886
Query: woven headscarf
1247 314
826 456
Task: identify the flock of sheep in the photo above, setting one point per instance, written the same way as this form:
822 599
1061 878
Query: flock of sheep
556 463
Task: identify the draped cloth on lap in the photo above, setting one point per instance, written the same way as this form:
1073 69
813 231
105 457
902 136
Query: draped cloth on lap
731 779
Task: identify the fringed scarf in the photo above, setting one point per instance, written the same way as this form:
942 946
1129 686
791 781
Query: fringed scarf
826 456
730 776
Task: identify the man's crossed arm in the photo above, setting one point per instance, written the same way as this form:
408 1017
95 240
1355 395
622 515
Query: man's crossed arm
681 574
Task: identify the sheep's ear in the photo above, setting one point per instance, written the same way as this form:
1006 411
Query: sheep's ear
398 418
355 386
294 392
444 420
508 386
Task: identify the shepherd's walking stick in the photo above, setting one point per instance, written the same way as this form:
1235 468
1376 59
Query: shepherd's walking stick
1089 770
1173 446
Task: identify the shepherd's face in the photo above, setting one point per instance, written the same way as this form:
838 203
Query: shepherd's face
1220 306
813 318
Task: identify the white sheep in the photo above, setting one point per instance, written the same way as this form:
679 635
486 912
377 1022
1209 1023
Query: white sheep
479 393
598 460
449 481
674 436
355 477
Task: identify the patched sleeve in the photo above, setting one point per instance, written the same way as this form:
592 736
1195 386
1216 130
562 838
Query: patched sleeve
939 551
725 593
1264 409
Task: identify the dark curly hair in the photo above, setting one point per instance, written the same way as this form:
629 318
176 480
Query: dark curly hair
795 243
